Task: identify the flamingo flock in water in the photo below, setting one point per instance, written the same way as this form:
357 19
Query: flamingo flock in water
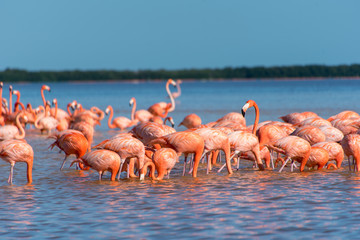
145 145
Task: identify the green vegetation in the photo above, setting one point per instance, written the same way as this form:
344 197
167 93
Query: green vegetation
309 71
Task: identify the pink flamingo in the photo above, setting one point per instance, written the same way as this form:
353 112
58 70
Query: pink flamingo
178 88
127 147
121 122
296 118
164 160
13 151
351 145
13 132
70 142
157 109
191 121
294 148
335 151
310 133
183 142
101 160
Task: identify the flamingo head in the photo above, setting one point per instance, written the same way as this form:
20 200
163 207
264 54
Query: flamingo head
248 104
1 84
45 87
10 89
132 100
172 82
107 110
54 102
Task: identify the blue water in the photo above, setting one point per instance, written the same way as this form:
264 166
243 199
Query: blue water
248 204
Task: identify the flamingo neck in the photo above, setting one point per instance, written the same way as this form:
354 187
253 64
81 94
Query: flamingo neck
172 108
257 115
133 111
10 102
147 165
178 89
68 109
21 133
111 125
56 109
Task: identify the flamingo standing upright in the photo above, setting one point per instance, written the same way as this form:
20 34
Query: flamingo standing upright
157 109
13 151
243 141
178 88
121 122
13 132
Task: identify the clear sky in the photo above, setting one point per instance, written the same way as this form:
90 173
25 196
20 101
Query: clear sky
174 34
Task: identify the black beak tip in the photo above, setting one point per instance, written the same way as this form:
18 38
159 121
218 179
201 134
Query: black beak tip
243 112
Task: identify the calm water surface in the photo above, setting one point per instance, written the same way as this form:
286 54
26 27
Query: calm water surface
248 204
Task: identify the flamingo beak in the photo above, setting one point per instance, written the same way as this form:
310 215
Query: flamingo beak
244 109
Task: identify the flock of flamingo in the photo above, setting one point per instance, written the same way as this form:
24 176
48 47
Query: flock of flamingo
152 147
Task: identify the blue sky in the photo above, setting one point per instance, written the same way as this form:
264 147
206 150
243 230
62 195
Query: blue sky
169 34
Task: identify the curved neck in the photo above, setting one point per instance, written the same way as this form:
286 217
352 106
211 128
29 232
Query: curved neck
144 169
111 125
133 111
178 89
17 106
17 96
172 108
10 102
21 133
43 97
68 109
56 109
257 115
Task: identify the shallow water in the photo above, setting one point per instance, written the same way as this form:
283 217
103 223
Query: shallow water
248 204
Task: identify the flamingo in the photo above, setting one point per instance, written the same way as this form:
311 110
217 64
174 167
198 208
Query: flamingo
13 151
344 115
243 141
70 142
87 129
157 109
314 121
13 132
335 151
178 88
101 160
318 157
351 145
46 123
296 118
332 134
43 88
310 133
183 142
294 148
146 132
121 122
215 139
2 119
127 147
191 121
164 160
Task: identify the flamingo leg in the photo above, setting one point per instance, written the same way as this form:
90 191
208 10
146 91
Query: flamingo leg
349 163
184 169
121 165
128 170
100 175
11 173
282 167
222 167
272 159
62 165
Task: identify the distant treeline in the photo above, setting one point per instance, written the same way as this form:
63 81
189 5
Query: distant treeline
308 71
